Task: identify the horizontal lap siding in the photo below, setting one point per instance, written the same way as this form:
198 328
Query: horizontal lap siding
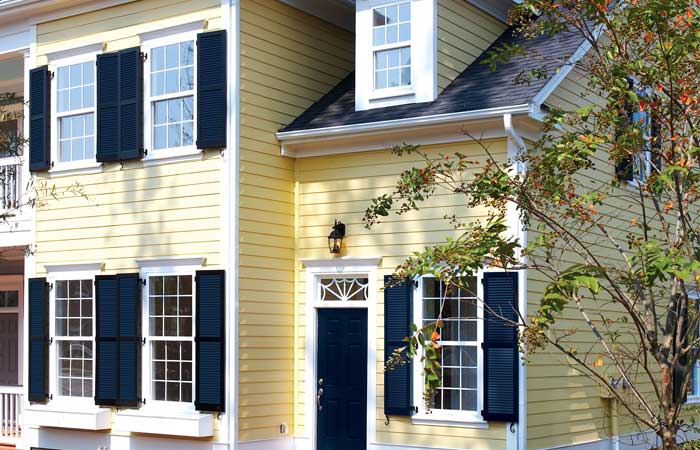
124 213
342 187
464 32
565 407
289 59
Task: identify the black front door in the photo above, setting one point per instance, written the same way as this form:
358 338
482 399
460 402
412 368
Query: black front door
341 381
8 349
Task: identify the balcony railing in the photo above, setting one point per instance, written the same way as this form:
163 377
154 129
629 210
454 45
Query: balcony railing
10 187
10 414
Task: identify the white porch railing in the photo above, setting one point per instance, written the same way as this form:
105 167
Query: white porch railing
10 414
10 174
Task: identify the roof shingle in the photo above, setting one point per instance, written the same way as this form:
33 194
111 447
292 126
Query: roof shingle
477 88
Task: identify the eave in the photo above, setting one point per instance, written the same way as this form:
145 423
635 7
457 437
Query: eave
442 128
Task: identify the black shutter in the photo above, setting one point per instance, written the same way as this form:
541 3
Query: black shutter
130 104
211 89
118 339
106 351
120 105
128 285
38 340
210 341
108 107
39 119
398 315
501 361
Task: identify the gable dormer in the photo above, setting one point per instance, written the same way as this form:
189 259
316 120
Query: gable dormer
408 51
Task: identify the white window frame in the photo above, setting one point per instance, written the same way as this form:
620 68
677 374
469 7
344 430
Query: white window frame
397 90
151 41
57 398
146 361
471 419
423 48
84 164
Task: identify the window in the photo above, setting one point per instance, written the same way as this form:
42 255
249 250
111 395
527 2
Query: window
75 110
459 397
172 95
73 311
344 289
171 336
391 37
9 299
395 53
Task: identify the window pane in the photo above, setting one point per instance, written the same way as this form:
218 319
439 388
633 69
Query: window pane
62 101
187 133
160 110
392 34
158 83
380 80
404 12
172 56
467 330
392 14
406 56
76 98
469 400
188 108
186 79
174 110
88 97
74 365
450 399
187 53
171 81
160 139
379 36
469 378
63 81
157 59
88 73
379 18
76 75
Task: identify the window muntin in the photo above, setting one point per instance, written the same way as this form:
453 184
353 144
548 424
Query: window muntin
171 335
391 31
73 312
172 95
75 105
460 344
344 289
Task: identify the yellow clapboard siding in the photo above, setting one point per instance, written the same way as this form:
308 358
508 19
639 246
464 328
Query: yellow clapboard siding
464 32
288 60
341 187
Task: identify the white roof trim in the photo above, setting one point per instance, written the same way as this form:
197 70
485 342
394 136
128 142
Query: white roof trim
378 127
171 261
563 72
75 267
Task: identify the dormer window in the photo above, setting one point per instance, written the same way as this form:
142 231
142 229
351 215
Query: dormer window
392 46
395 55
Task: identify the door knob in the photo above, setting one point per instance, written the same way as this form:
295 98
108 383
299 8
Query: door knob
319 394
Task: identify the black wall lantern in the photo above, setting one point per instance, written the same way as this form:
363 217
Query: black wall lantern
335 239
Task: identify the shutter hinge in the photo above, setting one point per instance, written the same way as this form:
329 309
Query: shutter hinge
50 286
52 75
143 401
52 163
414 409
142 281
50 397
143 341
50 340
145 151
144 57
387 421
414 283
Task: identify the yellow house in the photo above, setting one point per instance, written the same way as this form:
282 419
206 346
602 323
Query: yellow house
190 159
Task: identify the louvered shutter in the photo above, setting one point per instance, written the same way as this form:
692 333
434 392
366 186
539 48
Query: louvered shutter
39 119
120 105
130 104
118 340
398 315
500 346
38 325
211 90
108 107
210 341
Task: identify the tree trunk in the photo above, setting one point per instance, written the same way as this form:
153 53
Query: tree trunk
668 439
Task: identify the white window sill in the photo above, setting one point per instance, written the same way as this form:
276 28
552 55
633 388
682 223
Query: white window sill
162 421
170 155
80 168
693 400
69 416
449 421
382 94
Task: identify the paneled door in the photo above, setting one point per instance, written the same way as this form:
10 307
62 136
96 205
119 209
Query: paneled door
341 381
8 349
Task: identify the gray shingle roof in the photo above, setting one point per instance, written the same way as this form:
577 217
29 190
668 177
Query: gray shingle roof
477 88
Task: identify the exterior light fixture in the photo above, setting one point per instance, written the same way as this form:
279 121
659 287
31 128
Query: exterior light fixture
335 239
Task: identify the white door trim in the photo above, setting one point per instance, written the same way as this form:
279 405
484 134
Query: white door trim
313 273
